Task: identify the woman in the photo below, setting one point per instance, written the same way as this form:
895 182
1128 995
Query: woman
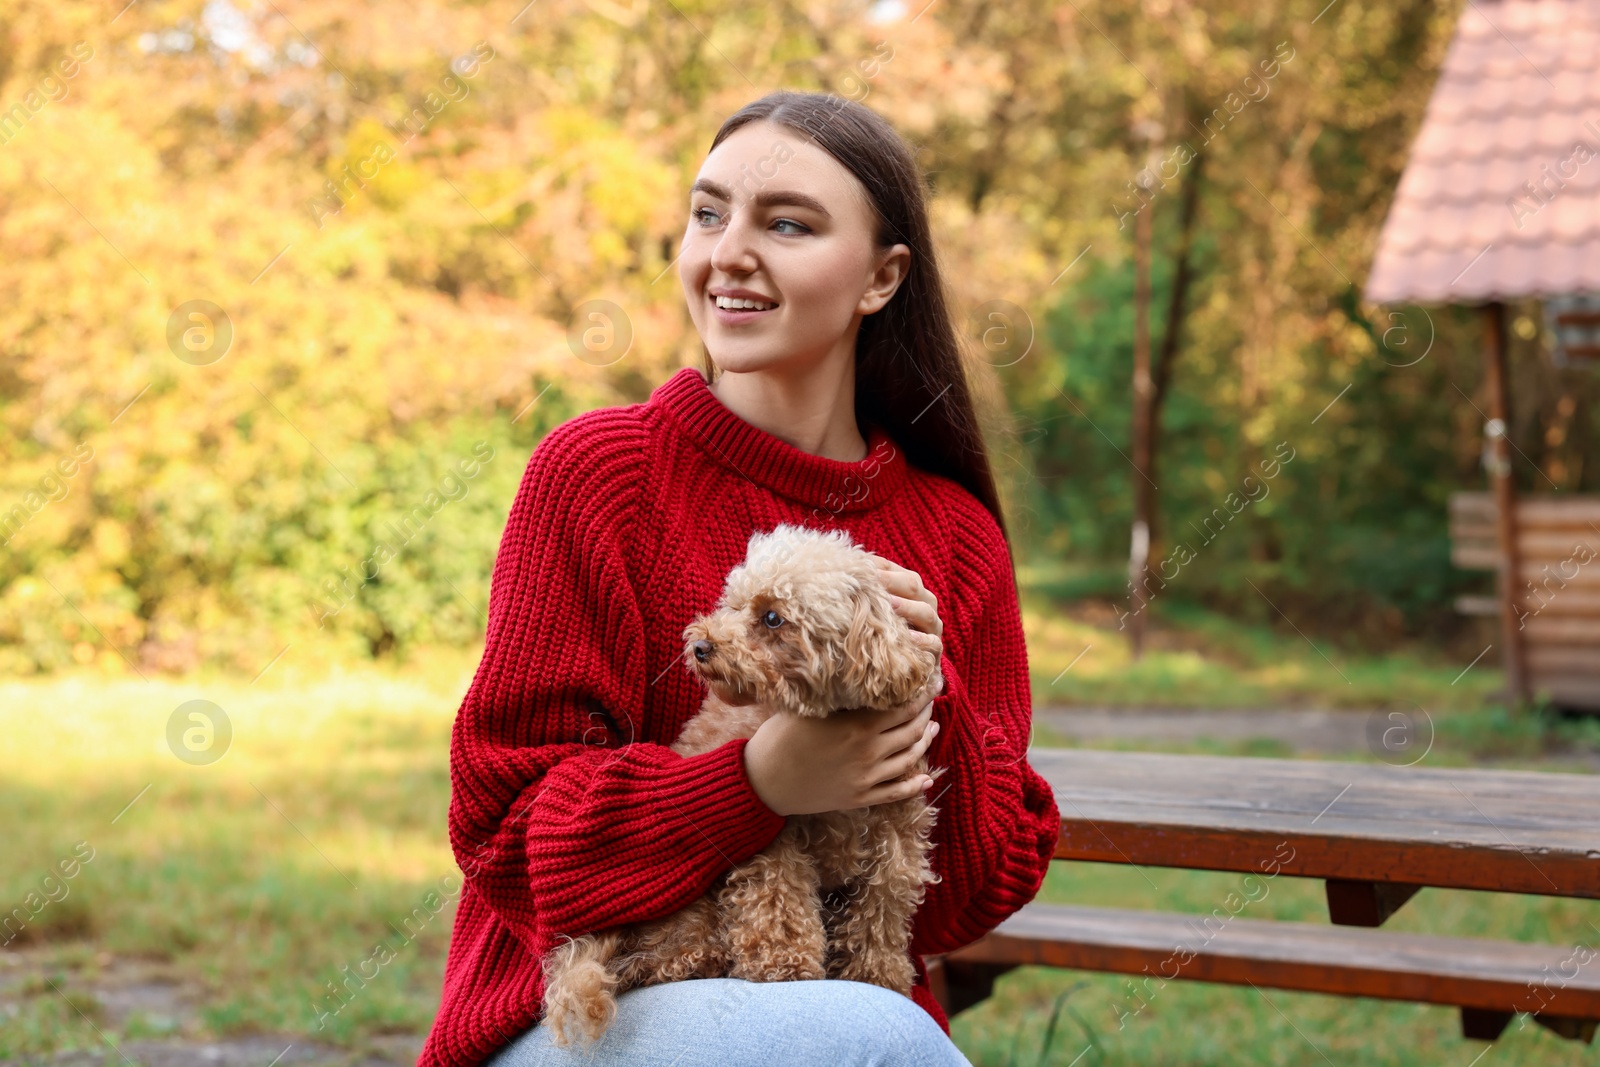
840 403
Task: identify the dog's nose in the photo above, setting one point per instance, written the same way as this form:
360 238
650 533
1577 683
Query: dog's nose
702 651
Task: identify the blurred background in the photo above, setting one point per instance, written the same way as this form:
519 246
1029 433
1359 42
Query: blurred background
286 281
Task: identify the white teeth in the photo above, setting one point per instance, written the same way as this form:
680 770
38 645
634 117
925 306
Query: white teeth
732 302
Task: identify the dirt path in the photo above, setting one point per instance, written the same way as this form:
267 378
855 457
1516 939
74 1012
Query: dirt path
1324 734
1308 732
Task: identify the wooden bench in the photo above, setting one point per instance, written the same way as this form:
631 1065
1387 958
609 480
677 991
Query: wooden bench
1488 980
1557 605
1374 834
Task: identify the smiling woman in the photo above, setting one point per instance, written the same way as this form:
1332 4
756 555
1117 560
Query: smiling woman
808 277
812 208
834 396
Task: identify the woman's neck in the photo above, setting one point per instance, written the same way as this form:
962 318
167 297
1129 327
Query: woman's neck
812 409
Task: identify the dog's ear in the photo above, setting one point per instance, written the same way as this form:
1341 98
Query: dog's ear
882 665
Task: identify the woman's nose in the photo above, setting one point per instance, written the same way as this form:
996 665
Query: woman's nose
702 651
732 252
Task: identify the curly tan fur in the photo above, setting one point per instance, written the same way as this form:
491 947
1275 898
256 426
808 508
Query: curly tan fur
834 895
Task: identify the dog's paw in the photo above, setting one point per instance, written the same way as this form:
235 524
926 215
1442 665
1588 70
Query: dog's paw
880 969
581 1024
777 965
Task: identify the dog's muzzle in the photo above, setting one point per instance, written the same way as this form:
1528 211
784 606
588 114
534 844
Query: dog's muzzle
702 651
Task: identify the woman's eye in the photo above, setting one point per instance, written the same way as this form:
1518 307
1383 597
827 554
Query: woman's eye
707 217
772 619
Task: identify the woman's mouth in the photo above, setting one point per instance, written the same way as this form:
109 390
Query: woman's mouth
734 311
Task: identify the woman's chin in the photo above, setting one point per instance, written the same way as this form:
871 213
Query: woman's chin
745 358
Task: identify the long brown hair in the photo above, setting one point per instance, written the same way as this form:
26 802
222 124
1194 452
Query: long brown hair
910 376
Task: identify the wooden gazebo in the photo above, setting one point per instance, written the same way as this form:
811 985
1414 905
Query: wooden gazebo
1500 200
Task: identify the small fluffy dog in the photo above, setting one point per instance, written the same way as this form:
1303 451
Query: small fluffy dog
804 626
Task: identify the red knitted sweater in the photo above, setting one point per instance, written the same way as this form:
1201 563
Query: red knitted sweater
569 813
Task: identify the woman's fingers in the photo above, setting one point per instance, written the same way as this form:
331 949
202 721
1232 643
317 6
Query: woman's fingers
908 759
904 581
921 614
902 762
906 731
889 792
912 600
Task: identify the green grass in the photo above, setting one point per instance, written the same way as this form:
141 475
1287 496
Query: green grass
259 877
1198 659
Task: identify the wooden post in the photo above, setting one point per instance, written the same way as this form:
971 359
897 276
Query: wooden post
1505 499
1142 428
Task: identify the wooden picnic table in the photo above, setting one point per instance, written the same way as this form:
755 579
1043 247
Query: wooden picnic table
1504 831
1374 833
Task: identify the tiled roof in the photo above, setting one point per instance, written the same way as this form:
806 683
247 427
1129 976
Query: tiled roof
1518 102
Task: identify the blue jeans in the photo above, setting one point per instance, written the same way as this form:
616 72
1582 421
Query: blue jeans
729 1022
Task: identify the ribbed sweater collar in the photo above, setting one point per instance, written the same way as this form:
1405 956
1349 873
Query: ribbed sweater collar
832 485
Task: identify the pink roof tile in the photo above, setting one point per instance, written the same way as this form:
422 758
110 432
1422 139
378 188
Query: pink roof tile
1518 101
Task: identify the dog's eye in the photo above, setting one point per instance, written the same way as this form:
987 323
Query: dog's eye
772 619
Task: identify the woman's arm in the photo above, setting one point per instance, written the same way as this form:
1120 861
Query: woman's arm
562 824
998 822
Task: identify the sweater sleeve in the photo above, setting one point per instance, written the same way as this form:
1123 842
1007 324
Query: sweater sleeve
560 816
998 823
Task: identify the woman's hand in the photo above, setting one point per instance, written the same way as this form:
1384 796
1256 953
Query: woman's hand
855 758
858 757
915 603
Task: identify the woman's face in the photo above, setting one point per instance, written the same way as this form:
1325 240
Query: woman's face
775 219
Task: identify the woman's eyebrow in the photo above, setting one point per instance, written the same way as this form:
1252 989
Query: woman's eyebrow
765 198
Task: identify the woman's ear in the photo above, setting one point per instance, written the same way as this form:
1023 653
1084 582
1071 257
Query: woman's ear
891 272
